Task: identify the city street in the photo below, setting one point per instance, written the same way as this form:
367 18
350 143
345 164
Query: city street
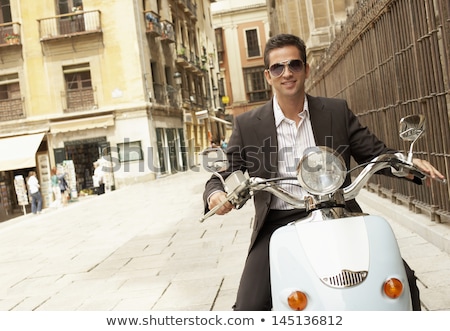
143 248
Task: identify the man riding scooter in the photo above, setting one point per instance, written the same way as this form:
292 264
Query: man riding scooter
269 140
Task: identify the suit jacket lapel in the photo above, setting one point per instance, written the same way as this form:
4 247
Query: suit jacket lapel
267 134
320 121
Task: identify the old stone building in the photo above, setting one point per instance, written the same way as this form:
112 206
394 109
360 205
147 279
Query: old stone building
242 29
317 22
128 82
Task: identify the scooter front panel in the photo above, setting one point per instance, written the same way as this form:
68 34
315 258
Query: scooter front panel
330 245
304 255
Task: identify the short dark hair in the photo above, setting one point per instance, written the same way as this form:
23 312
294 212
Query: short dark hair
282 40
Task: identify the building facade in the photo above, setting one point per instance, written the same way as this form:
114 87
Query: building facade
317 22
242 29
125 81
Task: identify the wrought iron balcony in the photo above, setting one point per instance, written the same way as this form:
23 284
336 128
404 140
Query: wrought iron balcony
10 34
78 100
189 7
69 25
153 24
168 32
11 109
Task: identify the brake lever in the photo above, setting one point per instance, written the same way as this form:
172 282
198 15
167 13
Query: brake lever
416 172
423 176
212 211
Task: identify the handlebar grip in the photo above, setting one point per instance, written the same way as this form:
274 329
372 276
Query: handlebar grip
212 211
423 176
417 173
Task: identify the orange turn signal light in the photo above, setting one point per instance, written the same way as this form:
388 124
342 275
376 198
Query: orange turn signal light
297 300
393 288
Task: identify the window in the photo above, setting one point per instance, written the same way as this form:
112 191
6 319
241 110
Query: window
158 87
5 17
130 151
256 85
160 139
252 43
10 90
5 12
71 23
11 107
79 80
219 43
67 6
79 91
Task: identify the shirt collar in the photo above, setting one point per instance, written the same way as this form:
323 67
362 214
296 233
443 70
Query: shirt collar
278 113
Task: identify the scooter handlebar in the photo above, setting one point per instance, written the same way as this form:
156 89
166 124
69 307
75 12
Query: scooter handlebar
240 187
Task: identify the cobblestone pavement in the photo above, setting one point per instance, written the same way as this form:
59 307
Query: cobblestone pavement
143 248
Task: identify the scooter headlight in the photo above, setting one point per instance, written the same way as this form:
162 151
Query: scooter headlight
321 170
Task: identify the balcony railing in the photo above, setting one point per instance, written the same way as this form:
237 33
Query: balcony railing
167 33
78 100
153 23
166 95
10 33
160 93
67 25
174 96
11 109
189 7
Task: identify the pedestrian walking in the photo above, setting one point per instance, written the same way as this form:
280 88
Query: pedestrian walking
36 197
64 189
57 197
97 178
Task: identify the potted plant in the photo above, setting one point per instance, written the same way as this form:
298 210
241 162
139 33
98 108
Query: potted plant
182 52
12 38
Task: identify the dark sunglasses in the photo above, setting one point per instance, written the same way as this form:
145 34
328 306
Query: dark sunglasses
277 69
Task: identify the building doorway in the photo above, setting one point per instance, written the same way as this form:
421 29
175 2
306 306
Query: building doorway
83 153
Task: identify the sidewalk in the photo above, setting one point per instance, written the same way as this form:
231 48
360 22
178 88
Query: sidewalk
143 248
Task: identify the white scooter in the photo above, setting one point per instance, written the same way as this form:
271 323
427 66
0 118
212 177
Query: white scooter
331 260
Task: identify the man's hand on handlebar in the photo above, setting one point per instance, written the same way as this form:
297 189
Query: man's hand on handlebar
217 198
427 168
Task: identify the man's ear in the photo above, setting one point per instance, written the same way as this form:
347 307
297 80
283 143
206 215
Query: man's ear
267 75
307 70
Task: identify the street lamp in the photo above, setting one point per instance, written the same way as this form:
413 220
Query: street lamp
177 77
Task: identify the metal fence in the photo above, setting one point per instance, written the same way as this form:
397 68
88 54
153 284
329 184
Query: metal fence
392 59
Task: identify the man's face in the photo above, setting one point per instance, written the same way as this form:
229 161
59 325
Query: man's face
292 80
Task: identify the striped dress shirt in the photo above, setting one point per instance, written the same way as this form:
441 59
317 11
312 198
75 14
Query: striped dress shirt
293 139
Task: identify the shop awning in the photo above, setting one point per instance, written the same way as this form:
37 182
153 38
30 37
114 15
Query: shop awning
19 152
217 119
82 124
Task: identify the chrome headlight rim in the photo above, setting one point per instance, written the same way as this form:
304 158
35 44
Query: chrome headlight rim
333 171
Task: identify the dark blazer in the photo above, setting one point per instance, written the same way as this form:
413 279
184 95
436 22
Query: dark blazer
253 146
